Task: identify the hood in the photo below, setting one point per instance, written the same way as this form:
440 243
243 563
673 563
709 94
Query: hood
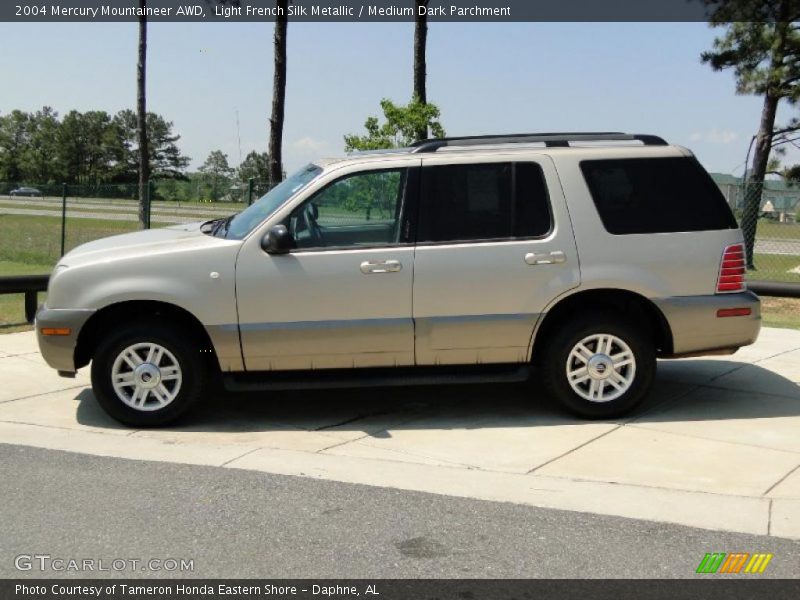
146 242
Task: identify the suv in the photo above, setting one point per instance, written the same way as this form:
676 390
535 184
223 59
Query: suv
582 257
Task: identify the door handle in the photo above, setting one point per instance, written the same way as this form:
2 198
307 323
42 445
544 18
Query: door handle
545 259
381 266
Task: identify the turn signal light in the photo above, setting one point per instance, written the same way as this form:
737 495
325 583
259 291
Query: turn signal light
56 331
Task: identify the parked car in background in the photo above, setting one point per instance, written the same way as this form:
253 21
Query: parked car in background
574 260
26 191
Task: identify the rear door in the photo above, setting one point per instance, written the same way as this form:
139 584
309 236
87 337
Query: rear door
494 247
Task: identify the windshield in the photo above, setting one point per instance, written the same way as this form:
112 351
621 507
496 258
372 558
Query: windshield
243 223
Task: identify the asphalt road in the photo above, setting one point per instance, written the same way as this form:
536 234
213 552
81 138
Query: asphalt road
244 524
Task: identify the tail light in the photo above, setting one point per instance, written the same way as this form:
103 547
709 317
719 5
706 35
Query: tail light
731 271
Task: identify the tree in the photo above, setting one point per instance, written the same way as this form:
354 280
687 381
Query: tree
788 135
14 139
254 166
401 129
141 116
85 147
39 158
217 170
420 68
278 94
762 45
165 158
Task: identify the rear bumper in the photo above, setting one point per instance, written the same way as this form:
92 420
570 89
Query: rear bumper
696 328
58 351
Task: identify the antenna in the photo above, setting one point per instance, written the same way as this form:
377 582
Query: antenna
239 136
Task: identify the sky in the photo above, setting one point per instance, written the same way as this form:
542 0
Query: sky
485 77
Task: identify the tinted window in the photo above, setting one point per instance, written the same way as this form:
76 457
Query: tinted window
656 195
357 210
483 202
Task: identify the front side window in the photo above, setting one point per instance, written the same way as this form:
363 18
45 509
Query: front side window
483 202
363 209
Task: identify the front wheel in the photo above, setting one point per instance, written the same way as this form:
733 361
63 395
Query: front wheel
147 375
599 365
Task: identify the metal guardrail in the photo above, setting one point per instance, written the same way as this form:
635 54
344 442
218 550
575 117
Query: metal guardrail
775 288
30 285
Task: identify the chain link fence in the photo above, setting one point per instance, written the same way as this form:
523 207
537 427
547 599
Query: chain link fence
39 222
768 215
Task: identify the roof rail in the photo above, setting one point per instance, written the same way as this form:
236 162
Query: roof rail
549 139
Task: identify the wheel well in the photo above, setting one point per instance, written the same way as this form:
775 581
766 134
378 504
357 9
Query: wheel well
630 304
109 317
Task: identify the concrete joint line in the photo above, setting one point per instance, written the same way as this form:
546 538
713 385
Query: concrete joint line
325 430
733 370
74 387
775 355
699 437
662 404
780 481
351 420
769 518
568 452
343 443
718 387
39 425
417 455
227 462
654 487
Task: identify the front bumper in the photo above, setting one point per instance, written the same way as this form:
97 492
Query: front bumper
696 328
59 350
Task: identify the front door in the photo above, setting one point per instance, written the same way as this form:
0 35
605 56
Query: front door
495 245
342 298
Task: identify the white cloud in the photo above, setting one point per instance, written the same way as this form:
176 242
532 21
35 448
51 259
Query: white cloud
309 144
714 136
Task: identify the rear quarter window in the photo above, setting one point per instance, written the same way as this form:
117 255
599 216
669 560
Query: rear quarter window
656 195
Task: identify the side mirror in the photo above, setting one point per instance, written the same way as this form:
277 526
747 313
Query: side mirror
277 240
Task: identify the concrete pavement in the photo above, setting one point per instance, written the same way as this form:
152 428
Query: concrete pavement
716 445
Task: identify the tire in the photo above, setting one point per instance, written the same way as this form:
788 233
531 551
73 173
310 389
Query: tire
169 374
604 384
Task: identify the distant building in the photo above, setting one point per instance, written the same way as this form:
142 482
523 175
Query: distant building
780 199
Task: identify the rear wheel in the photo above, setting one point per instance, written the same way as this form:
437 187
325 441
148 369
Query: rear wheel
147 375
599 365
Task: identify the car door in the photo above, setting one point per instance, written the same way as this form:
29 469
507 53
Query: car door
342 297
494 247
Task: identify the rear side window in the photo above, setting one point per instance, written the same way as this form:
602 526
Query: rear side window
656 195
483 202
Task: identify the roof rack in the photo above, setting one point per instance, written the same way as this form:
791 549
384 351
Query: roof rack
549 139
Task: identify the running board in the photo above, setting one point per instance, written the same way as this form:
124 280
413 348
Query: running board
373 377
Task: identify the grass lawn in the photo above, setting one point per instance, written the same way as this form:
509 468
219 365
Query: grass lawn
12 306
780 312
783 231
775 267
36 240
